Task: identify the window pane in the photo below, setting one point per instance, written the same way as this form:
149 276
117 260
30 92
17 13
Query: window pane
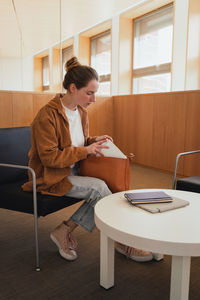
153 39
101 54
152 84
45 71
104 88
67 53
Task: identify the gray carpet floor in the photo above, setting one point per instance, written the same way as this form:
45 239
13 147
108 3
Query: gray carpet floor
61 279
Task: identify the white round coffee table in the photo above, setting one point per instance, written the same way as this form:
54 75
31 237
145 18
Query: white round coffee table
175 232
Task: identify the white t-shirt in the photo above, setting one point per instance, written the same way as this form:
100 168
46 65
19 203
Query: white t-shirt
75 127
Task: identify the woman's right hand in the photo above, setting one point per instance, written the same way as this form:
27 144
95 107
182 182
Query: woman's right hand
96 147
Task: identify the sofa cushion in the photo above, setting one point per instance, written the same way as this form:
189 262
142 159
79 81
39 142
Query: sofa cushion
14 198
191 184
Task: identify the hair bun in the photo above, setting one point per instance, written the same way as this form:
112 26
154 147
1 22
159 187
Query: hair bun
71 63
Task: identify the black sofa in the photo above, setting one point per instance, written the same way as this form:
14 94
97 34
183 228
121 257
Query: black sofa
14 146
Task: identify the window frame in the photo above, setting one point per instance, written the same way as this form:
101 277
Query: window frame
157 69
104 77
68 48
45 87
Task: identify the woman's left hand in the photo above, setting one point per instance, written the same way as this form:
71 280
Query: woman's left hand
103 137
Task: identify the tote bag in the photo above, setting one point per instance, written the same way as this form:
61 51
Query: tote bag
114 171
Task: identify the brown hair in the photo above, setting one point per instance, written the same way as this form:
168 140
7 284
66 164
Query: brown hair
78 74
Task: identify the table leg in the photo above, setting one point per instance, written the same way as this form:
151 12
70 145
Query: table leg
180 277
106 261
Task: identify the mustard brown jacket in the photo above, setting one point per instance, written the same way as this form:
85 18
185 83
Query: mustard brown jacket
51 152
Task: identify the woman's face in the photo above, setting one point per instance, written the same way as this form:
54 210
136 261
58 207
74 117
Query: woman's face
86 95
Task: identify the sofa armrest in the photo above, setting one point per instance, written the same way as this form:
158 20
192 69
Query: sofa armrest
177 161
34 181
34 206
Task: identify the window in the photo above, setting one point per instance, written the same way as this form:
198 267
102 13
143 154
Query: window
67 53
152 52
45 73
101 60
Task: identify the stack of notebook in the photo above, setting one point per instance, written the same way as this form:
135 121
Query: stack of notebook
148 197
154 202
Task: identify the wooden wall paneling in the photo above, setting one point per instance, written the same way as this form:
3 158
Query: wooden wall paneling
133 130
176 129
22 108
151 126
5 109
144 114
124 108
192 134
160 131
134 121
101 116
155 127
39 100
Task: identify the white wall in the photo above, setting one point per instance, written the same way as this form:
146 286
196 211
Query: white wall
193 50
10 77
28 74
15 75
186 50
179 45
186 46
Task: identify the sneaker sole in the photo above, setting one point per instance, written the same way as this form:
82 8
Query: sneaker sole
62 253
136 258
157 256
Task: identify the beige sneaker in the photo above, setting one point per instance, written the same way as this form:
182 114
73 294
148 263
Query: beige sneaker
133 253
65 241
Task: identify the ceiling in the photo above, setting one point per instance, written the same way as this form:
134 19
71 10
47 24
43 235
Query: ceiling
30 26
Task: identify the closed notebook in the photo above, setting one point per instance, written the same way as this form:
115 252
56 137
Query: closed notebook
148 197
163 207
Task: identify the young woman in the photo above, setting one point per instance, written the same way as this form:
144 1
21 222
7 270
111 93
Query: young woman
60 139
